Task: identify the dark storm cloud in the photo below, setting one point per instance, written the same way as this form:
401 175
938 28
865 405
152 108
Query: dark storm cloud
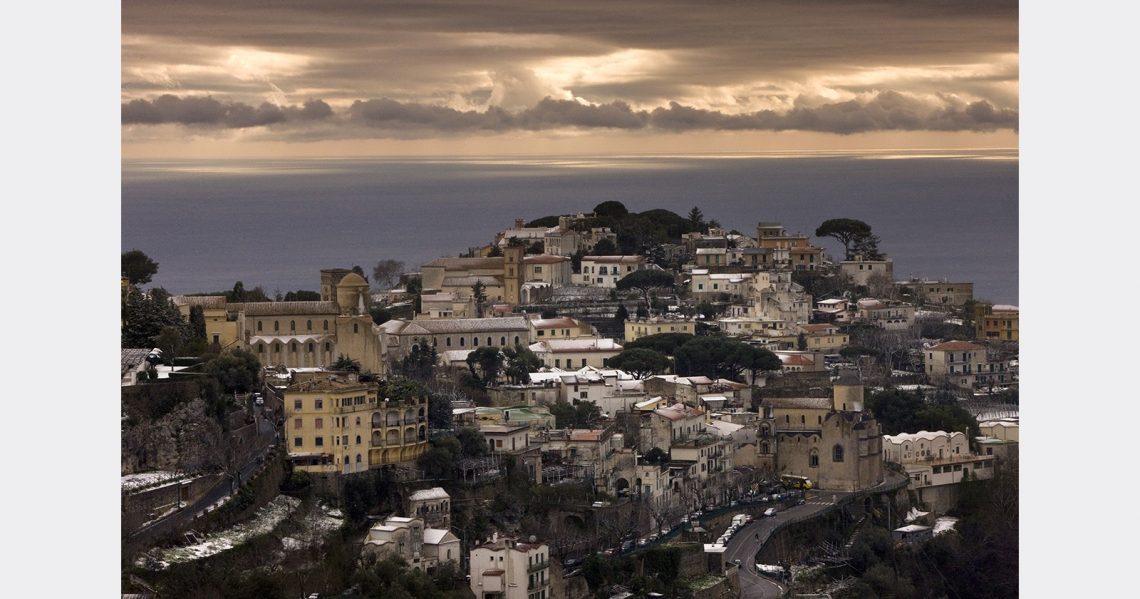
208 112
421 66
384 117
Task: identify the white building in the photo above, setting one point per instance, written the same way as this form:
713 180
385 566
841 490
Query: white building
504 568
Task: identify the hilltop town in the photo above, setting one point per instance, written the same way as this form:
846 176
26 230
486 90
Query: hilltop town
602 404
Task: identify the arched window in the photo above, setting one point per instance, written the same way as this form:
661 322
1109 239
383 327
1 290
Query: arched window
837 453
328 347
310 347
764 447
516 339
346 459
461 342
764 430
260 348
276 326
358 421
488 341
813 458
292 325
475 342
276 348
308 325
358 458
293 347
503 340
259 326
358 440
326 325
449 342
377 439
355 328
377 420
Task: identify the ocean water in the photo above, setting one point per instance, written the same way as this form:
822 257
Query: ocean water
277 223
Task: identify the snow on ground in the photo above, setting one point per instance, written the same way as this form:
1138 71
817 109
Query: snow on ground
265 521
944 524
317 524
132 482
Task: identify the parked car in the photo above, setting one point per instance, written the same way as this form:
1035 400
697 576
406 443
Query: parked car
627 546
573 573
571 562
770 512
643 542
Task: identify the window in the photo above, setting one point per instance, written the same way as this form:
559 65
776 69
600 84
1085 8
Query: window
259 326
538 269
516 339
475 342
319 404
297 441
837 453
803 419
292 325
488 341
583 362
296 404
326 326
319 441
320 423
503 340
355 328
813 458
461 342
276 326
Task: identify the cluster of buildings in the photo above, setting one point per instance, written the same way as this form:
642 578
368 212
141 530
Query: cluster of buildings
675 442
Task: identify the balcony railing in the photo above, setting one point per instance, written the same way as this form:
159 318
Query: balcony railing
537 567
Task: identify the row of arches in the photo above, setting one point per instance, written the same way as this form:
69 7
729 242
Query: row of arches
394 437
392 417
490 341
293 326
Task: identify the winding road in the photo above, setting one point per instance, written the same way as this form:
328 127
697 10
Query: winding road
748 541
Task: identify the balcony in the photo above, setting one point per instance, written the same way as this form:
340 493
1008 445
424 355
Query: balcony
537 567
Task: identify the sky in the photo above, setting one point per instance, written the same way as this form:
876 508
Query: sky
204 78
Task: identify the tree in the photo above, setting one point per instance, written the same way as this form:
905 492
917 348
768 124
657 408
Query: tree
302 296
420 362
345 363
604 247
489 361
717 357
520 363
756 360
576 261
138 267
496 252
473 443
356 268
847 231
666 343
479 294
697 219
237 371
622 315
647 281
387 273
640 362
146 314
801 342
611 209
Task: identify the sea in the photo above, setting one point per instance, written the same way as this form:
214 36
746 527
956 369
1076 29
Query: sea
275 223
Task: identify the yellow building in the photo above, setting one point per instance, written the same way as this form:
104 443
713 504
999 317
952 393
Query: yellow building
637 328
998 322
297 334
337 424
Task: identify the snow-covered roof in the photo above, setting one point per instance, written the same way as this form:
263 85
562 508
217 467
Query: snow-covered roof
435 536
432 493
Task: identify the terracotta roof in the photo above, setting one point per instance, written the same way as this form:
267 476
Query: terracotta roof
467 263
613 259
817 328
206 301
798 402
284 308
678 411
955 346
